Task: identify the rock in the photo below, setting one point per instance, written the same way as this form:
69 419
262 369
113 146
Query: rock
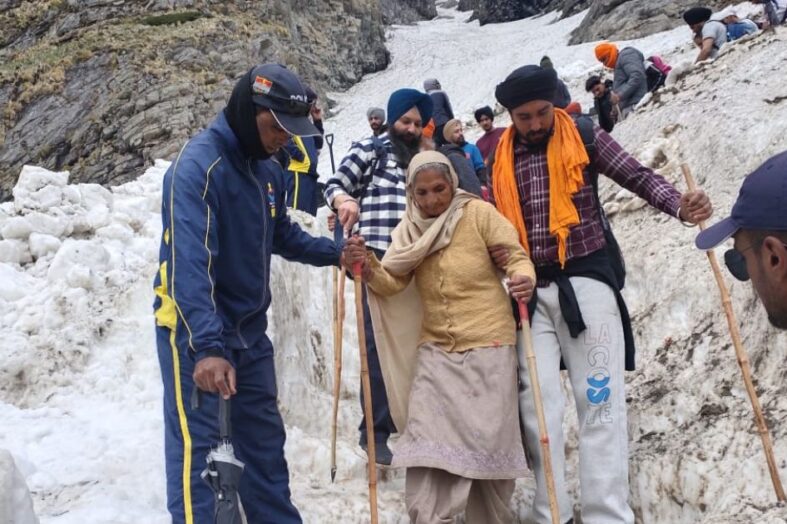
408 11
627 19
15 252
123 92
42 245
16 506
496 11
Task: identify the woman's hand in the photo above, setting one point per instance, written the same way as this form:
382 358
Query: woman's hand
355 252
521 288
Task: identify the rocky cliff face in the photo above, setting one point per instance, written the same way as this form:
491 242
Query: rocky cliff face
606 19
495 11
102 87
407 11
626 19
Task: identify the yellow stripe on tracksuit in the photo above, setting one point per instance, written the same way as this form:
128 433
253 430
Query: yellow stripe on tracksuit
166 316
299 168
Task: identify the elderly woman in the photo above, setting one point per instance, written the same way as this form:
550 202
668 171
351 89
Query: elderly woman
461 442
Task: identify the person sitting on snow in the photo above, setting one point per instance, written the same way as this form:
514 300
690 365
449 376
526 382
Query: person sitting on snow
453 134
602 92
758 224
630 80
224 215
775 12
710 35
737 27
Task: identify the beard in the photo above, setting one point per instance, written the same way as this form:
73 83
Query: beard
405 146
537 138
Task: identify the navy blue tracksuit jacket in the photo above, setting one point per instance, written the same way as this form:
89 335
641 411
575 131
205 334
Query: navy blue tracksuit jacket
223 217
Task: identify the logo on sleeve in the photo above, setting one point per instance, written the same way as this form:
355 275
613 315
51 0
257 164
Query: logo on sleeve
271 200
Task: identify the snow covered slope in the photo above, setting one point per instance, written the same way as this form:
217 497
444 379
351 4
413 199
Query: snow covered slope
79 381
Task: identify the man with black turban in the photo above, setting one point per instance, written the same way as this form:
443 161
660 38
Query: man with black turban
543 176
709 34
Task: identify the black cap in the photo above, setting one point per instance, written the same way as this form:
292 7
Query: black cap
289 99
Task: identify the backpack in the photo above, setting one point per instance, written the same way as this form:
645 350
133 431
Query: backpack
656 71
585 127
586 130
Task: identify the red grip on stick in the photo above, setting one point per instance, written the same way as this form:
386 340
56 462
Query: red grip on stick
523 314
357 268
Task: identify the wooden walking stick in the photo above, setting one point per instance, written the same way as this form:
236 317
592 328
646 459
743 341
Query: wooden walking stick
743 358
366 387
526 340
339 279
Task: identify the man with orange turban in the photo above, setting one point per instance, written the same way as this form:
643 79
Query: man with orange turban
543 176
631 82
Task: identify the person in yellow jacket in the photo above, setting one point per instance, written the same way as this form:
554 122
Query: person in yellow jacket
302 155
446 342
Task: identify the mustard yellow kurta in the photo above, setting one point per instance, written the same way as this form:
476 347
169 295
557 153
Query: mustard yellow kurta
465 306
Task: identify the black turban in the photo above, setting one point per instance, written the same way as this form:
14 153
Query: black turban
697 15
526 84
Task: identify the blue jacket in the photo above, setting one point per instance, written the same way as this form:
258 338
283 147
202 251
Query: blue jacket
474 155
223 216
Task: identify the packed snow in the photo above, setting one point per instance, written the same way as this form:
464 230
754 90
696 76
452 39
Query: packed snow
80 391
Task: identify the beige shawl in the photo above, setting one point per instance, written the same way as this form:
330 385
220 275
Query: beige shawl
397 319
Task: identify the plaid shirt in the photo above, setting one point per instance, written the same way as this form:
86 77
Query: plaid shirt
532 180
380 190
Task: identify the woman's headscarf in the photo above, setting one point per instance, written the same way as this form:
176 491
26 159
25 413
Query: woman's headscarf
416 237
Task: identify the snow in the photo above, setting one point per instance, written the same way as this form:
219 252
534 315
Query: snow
80 389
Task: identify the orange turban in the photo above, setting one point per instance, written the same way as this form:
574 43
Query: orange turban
607 54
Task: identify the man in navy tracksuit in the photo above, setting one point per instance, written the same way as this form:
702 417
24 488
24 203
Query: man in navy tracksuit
224 215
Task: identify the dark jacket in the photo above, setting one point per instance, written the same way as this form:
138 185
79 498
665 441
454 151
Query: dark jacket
468 180
562 95
631 82
604 109
223 216
443 112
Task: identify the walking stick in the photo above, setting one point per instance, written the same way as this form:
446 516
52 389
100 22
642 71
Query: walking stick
338 327
743 358
366 387
527 341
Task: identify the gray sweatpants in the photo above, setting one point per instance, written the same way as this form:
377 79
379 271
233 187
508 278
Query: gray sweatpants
595 363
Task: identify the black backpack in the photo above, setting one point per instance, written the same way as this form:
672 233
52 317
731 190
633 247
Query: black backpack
654 76
586 130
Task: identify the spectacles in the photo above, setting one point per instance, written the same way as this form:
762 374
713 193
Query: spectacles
736 263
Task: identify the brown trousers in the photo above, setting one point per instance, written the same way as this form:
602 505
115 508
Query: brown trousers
434 496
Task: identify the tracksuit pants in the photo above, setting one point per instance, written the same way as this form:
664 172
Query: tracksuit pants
302 192
257 436
595 363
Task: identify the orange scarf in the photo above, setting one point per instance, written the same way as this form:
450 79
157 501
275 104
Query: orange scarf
566 162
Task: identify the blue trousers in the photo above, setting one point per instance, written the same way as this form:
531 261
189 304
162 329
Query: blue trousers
257 436
302 192
383 423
